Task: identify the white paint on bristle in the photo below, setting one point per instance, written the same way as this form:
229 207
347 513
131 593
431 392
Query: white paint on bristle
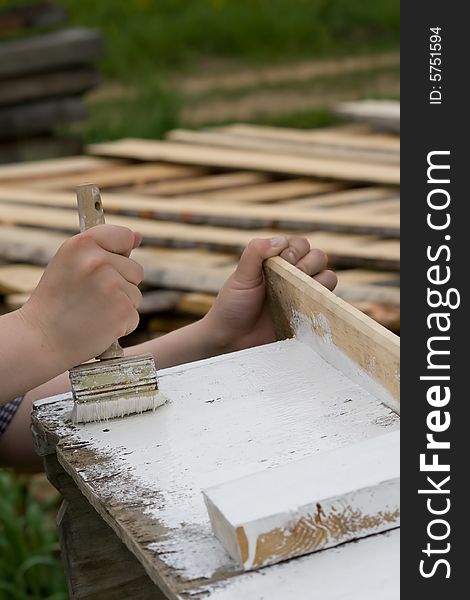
103 410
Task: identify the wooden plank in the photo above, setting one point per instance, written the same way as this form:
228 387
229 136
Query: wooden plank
39 117
310 504
46 169
256 161
19 279
139 176
383 115
33 245
47 85
50 51
337 574
286 147
143 473
96 563
39 147
328 136
342 335
204 184
345 198
269 192
197 211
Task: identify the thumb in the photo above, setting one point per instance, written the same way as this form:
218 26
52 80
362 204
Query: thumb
249 270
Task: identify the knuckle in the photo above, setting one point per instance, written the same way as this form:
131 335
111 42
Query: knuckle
320 255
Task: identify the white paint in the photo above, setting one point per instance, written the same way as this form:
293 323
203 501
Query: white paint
324 345
367 570
225 417
363 478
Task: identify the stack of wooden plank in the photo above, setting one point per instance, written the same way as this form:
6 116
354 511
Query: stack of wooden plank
200 196
42 77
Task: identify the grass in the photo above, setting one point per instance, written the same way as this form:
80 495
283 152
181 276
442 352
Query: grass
155 35
149 41
30 567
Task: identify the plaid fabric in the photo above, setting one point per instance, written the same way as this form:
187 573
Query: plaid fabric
7 412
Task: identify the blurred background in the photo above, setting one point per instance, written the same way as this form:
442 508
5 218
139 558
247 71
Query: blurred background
143 67
140 68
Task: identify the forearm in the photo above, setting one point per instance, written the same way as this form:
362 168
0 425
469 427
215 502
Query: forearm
187 344
26 360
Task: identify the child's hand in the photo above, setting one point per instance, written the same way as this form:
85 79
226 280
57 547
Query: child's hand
240 317
88 295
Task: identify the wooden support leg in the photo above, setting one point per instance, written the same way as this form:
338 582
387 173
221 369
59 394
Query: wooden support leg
97 565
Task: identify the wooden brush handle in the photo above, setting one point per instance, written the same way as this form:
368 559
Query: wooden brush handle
90 213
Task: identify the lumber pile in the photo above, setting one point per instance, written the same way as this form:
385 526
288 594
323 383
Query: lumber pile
42 79
382 115
200 196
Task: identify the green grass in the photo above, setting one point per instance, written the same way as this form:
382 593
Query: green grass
30 567
149 41
155 35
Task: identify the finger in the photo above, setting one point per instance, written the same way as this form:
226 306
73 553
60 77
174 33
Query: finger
131 270
133 293
138 237
327 278
132 322
113 238
249 269
313 262
298 248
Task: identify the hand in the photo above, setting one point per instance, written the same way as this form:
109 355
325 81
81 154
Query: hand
240 317
88 295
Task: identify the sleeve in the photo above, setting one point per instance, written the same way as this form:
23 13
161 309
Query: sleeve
7 412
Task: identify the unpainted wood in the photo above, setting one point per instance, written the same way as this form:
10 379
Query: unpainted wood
286 147
50 51
358 220
335 329
233 158
97 565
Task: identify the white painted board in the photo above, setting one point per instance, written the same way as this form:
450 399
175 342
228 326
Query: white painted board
307 505
226 417
365 570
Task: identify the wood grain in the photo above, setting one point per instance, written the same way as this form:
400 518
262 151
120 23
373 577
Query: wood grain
236 159
309 505
366 351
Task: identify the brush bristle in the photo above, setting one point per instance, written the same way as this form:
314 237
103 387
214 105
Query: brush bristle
102 410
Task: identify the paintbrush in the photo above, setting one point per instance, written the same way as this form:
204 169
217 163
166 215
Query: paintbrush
112 385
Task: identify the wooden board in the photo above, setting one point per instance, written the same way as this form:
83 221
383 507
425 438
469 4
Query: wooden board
282 402
46 85
224 181
30 244
323 150
383 115
364 350
308 505
338 574
138 176
19 279
50 51
25 173
336 137
261 192
39 117
359 220
237 159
